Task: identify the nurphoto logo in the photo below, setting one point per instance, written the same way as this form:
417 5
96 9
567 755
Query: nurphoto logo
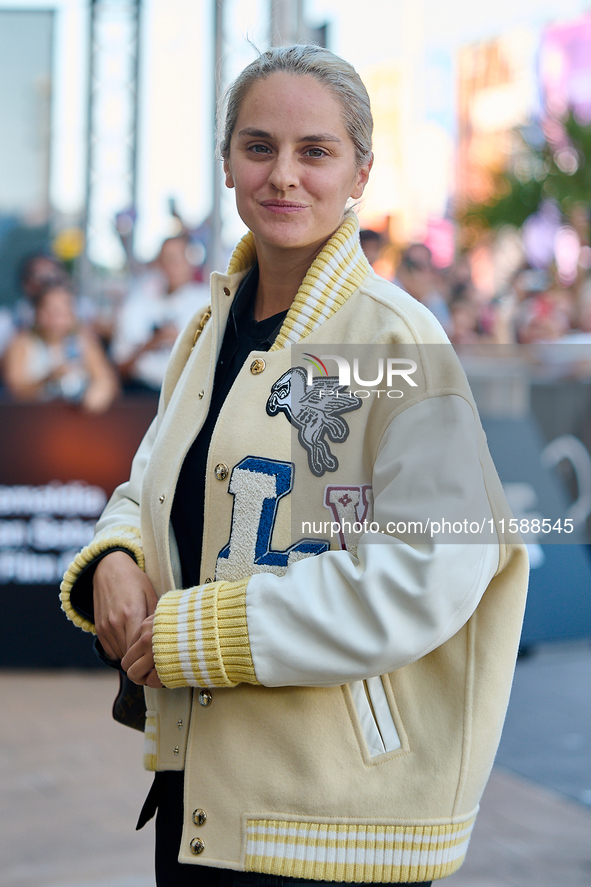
390 371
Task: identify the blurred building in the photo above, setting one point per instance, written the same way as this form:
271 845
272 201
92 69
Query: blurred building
25 115
497 91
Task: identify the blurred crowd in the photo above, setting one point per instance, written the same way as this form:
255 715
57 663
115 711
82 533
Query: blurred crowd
58 343
530 306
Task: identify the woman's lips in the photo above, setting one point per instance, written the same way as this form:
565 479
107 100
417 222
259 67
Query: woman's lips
278 206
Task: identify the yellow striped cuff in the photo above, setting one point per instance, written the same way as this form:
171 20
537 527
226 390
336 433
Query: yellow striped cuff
201 637
233 633
127 537
359 853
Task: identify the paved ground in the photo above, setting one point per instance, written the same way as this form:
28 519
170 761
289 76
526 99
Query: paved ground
72 784
547 736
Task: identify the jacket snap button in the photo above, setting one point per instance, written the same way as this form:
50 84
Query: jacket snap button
176 750
201 395
226 291
199 817
204 698
197 846
162 498
207 581
221 471
179 723
257 366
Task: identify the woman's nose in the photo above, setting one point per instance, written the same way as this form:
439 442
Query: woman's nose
284 174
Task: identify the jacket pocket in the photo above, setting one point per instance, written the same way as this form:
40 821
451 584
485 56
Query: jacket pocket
375 718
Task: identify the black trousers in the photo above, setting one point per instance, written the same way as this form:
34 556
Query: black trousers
165 799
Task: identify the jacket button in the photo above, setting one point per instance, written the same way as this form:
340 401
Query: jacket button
175 750
201 395
221 471
197 846
162 498
205 698
199 817
207 581
257 366
179 723
226 291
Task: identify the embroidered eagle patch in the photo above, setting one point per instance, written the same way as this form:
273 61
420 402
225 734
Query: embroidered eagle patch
315 410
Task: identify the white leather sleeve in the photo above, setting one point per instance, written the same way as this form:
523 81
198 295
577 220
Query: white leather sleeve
337 618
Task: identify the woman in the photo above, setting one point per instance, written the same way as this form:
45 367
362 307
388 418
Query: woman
58 359
321 705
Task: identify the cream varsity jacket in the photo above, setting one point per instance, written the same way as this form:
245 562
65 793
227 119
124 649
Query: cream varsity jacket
336 687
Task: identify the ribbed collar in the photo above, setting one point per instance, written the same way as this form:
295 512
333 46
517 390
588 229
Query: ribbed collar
337 271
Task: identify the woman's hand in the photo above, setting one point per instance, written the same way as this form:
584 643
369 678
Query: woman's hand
123 597
138 662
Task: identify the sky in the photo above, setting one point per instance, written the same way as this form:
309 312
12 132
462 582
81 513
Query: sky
176 110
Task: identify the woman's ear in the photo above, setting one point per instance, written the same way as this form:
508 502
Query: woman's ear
228 174
361 179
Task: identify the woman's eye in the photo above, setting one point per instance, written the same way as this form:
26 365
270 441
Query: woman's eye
259 149
315 152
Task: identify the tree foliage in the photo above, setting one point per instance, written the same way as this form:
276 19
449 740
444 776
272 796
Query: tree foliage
554 164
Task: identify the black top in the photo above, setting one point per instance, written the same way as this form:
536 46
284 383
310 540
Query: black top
243 334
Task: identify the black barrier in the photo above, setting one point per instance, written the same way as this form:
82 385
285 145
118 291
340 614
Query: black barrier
559 599
58 466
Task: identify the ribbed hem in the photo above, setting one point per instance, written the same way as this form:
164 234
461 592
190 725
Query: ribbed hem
359 853
201 637
121 537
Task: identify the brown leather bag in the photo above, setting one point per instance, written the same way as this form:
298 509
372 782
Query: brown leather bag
129 706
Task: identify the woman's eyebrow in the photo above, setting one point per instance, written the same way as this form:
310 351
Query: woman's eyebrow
263 134
255 133
321 137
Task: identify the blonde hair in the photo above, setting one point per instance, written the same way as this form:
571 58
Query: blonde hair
336 74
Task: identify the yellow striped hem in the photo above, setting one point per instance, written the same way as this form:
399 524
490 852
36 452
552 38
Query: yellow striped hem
353 852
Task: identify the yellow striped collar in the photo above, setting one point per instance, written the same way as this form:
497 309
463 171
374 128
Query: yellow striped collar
335 273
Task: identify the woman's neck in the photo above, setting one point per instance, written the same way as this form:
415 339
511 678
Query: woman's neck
281 274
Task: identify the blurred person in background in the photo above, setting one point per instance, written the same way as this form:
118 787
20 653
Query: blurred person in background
464 322
36 272
309 700
158 306
56 358
476 318
544 317
371 244
417 275
581 332
7 330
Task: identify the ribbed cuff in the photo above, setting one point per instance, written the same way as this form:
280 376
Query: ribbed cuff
201 637
233 633
126 537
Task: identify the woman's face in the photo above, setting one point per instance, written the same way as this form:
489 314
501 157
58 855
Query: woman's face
55 315
292 162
